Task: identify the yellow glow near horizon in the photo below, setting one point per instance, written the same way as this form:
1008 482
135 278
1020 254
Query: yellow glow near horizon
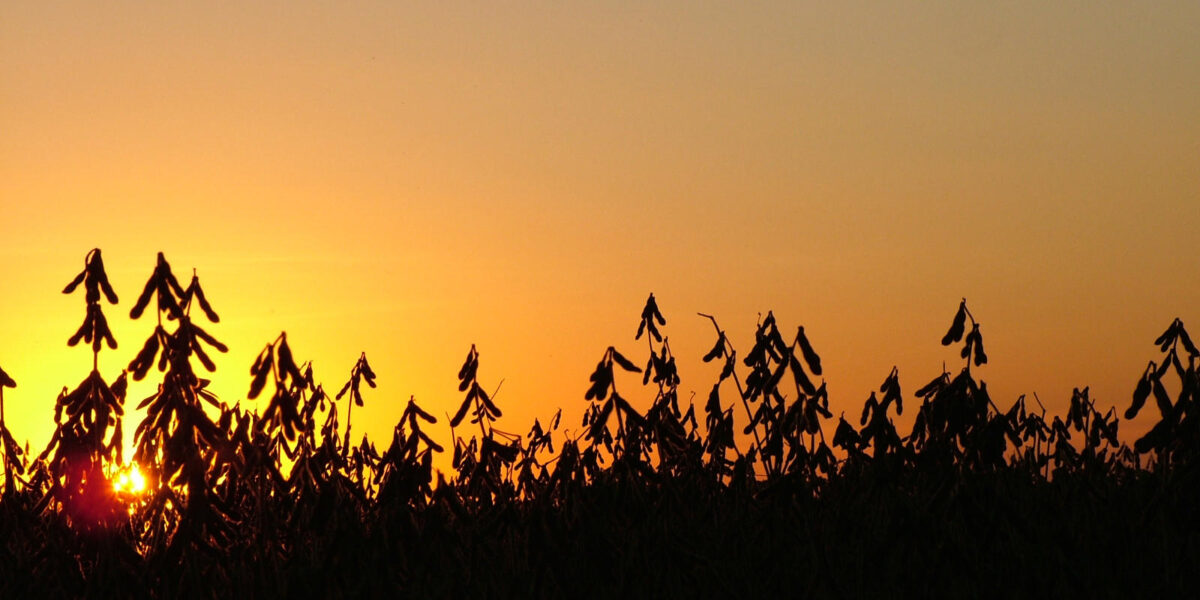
129 480
411 180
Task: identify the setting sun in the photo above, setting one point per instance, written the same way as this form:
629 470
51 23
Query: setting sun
129 481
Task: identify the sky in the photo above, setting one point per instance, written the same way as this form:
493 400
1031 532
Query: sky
408 179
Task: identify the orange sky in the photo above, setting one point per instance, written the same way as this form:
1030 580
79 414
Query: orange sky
409 180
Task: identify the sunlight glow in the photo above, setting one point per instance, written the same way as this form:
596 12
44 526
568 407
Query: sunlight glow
129 481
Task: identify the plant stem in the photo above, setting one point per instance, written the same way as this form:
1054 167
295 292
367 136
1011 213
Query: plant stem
7 459
737 382
346 441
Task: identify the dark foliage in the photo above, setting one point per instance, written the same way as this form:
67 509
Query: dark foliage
277 501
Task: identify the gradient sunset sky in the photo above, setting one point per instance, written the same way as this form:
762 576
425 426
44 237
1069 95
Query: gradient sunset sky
407 179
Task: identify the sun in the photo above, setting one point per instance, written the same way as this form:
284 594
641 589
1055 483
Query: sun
129 481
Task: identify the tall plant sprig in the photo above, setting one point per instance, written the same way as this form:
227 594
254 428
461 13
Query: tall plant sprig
360 372
13 455
972 350
606 401
480 467
318 451
783 426
806 413
1177 434
529 484
177 441
665 422
95 326
405 469
318 466
957 423
283 414
779 428
878 429
1099 431
660 366
174 411
88 433
1026 426
718 420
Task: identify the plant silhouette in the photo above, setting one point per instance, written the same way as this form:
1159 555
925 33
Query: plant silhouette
13 454
755 501
177 440
1176 436
480 461
87 436
359 373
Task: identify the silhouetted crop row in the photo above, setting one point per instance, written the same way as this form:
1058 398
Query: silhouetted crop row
771 495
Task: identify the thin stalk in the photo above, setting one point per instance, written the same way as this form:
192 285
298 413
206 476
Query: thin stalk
736 381
346 440
8 479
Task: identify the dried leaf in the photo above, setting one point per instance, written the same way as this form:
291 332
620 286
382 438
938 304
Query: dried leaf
144 300
260 378
624 362
1164 402
1140 394
718 350
487 402
980 356
462 412
204 305
200 333
1186 340
1165 340
802 380
75 282
810 356
958 326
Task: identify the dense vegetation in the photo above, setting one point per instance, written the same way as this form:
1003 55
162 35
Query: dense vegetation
759 491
